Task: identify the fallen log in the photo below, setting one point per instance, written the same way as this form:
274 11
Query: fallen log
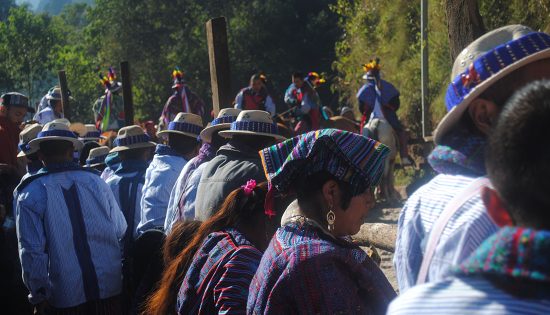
380 235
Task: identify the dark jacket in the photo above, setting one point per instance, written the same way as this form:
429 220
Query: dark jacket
233 166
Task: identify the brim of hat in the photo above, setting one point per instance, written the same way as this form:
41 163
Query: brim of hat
192 135
22 153
231 133
94 165
206 133
142 145
35 143
452 117
92 138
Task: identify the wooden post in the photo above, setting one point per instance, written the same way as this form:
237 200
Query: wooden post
218 53
64 94
127 93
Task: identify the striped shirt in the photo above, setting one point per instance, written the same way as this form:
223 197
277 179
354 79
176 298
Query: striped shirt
160 178
464 295
126 184
69 226
182 198
464 232
218 279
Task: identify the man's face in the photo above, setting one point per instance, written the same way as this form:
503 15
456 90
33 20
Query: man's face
16 114
298 82
257 85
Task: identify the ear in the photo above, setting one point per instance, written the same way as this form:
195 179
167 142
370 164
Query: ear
495 207
483 113
330 191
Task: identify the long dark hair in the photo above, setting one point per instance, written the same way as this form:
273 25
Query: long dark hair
238 208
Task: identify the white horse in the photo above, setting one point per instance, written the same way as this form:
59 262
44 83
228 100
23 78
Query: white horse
379 129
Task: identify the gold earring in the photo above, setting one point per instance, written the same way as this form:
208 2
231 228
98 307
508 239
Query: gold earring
331 218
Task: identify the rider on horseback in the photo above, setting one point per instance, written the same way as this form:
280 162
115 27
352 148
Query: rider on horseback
301 96
255 96
380 99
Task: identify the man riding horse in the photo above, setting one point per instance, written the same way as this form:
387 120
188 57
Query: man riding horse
379 99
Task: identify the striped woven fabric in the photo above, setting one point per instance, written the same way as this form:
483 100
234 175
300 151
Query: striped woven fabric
256 126
123 141
185 127
348 156
218 279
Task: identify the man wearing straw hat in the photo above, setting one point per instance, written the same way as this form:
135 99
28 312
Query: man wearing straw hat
445 220
134 150
182 198
54 110
236 161
69 226
30 154
169 160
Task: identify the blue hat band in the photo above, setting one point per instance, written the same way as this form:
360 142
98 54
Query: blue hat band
56 133
131 140
254 126
96 160
93 134
25 147
223 120
492 62
184 127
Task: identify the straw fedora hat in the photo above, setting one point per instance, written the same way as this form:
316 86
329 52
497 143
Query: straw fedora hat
255 123
30 132
90 133
97 156
78 128
55 131
186 124
485 61
131 137
225 117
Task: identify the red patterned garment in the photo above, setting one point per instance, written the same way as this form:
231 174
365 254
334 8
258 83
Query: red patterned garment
304 271
217 280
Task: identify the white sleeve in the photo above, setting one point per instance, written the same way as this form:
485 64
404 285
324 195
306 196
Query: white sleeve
270 106
239 100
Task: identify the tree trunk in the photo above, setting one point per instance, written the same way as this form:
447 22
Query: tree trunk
464 24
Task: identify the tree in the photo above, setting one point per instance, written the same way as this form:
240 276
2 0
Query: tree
29 41
464 24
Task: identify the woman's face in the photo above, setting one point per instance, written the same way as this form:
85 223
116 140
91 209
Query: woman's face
349 221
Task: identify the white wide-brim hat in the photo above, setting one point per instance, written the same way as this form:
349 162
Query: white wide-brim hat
27 135
485 61
55 131
97 156
131 137
223 122
90 133
186 124
254 123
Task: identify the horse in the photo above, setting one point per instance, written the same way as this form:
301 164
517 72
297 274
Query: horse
382 131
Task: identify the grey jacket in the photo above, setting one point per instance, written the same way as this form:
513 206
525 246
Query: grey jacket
232 167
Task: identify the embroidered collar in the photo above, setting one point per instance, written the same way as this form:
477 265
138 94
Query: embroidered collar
512 254
130 166
163 149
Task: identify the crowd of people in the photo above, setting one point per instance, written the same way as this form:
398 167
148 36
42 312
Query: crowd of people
235 218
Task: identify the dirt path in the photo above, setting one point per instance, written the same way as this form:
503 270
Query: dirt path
381 214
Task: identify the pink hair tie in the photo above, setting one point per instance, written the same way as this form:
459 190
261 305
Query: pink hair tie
249 187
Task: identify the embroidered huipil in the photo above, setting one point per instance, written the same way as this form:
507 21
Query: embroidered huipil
508 274
126 184
68 226
304 271
160 178
218 278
